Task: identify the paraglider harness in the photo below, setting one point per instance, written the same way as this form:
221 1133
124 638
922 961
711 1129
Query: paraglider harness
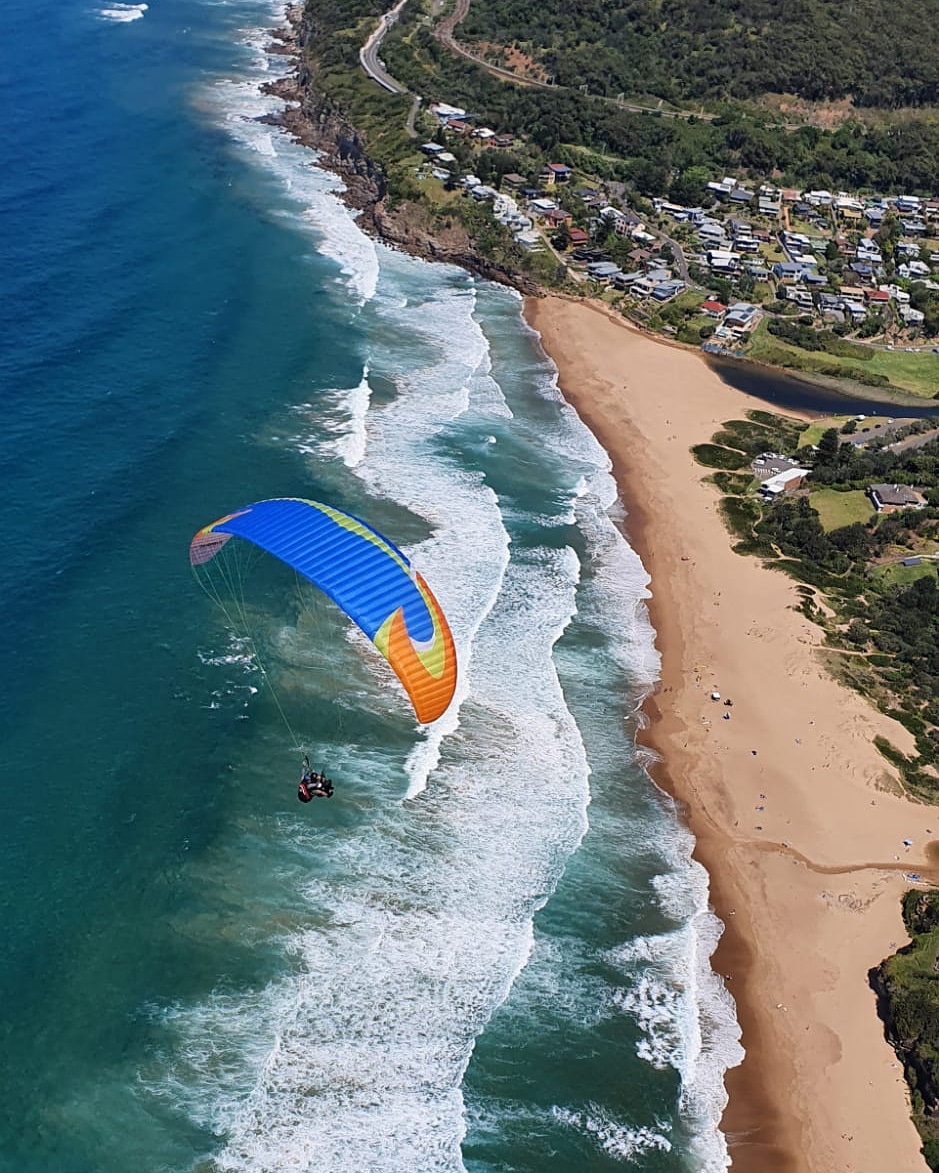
313 785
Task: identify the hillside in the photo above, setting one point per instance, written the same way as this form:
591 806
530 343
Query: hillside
884 55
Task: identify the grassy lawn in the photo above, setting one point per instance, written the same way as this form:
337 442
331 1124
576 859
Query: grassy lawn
899 575
813 433
837 509
917 373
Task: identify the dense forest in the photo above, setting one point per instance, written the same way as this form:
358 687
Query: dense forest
907 985
886 55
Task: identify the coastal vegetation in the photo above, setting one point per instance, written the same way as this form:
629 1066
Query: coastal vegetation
869 578
821 352
907 985
681 52
657 155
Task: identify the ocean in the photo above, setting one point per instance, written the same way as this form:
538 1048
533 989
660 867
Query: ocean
489 951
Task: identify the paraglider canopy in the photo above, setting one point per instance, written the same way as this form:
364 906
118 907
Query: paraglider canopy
370 579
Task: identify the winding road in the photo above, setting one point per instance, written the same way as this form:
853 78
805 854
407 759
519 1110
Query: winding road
368 54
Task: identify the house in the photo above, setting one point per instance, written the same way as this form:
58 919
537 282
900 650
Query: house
513 180
484 133
742 316
603 270
767 206
802 297
432 149
577 236
557 216
541 206
722 187
878 297
503 140
788 270
911 316
445 112
643 287
861 270
625 280
783 482
529 240
722 260
712 309
848 206
740 195
665 290
890 498
913 269
555 173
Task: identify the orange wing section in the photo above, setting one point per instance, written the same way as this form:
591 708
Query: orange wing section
430 691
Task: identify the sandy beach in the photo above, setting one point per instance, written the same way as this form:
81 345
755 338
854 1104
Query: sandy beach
798 818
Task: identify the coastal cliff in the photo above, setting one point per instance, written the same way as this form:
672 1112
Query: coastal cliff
908 1002
314 119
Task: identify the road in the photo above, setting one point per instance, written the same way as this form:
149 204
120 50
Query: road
368 54
679 254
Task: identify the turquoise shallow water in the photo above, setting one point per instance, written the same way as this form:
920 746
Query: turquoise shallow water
489 951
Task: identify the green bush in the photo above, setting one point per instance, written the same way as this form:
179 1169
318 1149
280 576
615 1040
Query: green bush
740 515
714 456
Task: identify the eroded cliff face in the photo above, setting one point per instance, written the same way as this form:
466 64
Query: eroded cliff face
313 120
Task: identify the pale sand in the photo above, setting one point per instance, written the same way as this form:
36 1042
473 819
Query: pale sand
809 887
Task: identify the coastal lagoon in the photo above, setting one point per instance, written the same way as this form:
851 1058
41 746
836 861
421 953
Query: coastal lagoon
490 950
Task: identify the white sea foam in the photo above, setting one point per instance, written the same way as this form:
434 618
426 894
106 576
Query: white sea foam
312 203
425 920
343 416
687 1016
123 13
611 1136
420 917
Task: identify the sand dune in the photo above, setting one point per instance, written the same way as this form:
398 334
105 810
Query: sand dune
798 819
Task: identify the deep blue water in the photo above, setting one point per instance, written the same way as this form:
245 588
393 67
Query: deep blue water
489 951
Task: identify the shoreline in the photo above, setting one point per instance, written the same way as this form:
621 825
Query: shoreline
809 896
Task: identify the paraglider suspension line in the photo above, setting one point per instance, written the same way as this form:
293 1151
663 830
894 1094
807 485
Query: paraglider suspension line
234 582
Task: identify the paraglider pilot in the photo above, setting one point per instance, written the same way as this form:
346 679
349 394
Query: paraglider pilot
313 785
